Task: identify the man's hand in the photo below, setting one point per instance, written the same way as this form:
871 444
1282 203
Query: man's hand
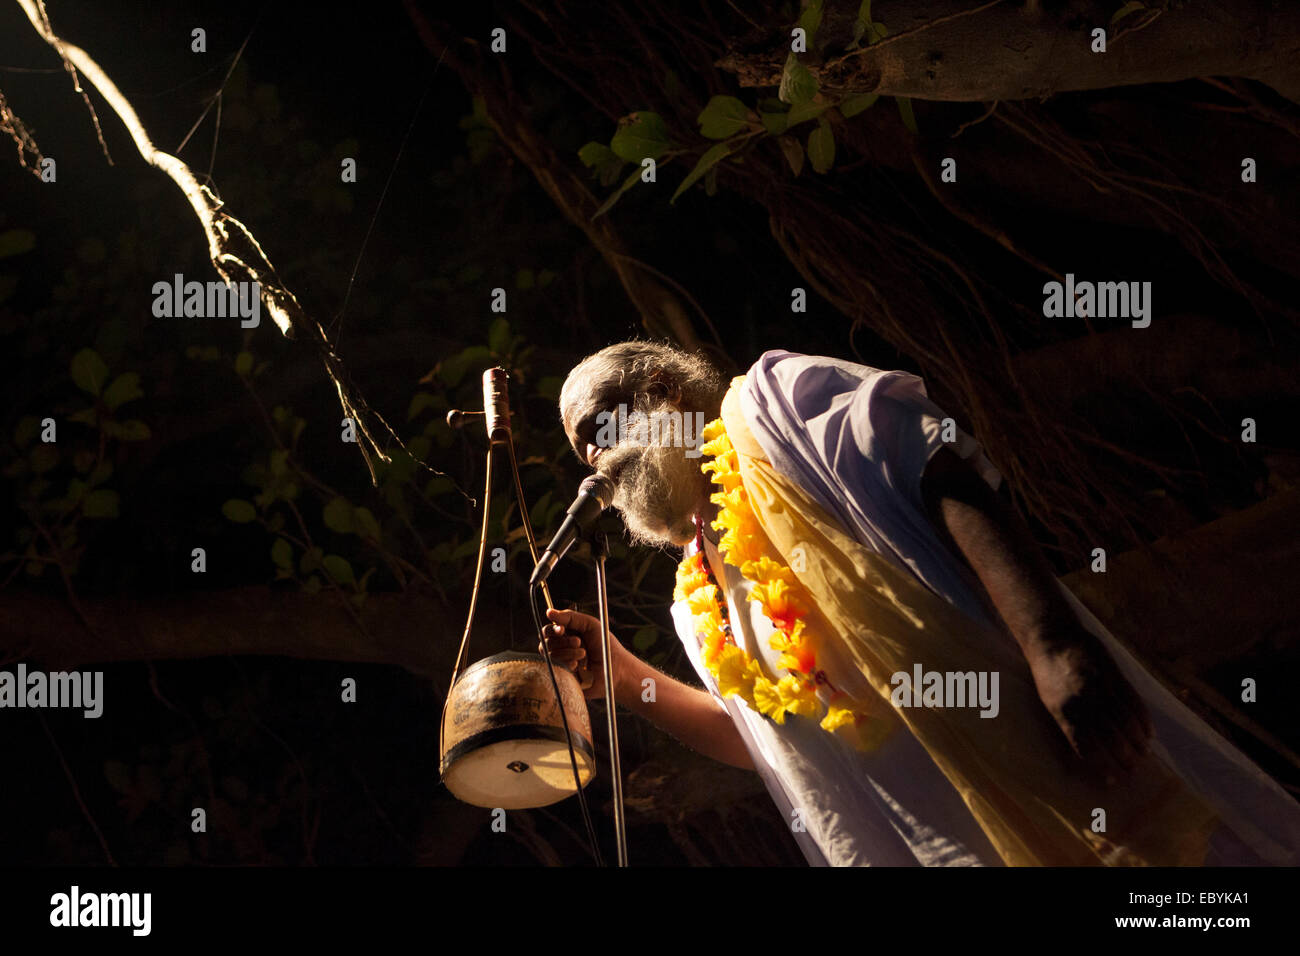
574 637
1100 714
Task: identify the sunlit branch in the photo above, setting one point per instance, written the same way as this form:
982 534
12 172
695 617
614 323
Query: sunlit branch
232 248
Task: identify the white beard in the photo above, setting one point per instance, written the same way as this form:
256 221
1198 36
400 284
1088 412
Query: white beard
658 490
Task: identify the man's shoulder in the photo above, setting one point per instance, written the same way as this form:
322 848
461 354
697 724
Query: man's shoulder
788 362
814 380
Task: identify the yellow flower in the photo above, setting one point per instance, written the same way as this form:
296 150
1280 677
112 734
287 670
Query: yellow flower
781 641
767 697
718 446
689 583
799 658
714 641
702 600
735 674
765 570
732 504
837 717
798 695
782 602
742 540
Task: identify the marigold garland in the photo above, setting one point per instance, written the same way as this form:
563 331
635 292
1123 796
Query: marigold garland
780 595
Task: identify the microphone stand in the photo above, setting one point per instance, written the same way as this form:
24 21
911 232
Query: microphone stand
600 550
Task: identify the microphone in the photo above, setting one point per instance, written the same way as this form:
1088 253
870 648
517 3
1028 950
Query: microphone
458 419
594 496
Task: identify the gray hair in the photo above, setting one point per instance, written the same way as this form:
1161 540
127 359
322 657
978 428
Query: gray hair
641 371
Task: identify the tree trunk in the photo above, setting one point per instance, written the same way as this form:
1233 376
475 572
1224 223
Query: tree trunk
962 50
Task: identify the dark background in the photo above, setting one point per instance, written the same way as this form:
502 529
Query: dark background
289 774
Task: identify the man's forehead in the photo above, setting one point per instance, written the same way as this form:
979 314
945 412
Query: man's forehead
584 396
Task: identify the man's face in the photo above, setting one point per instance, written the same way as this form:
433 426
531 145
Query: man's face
658 489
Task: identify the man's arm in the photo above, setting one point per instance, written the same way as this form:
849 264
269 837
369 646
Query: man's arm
690 714
1098 711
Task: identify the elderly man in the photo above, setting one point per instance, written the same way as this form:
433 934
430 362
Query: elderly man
879 637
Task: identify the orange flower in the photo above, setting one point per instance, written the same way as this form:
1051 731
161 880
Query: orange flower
799 658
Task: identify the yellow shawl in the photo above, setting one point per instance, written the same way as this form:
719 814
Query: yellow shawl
1015 771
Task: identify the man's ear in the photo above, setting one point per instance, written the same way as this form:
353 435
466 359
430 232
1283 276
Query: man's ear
663 385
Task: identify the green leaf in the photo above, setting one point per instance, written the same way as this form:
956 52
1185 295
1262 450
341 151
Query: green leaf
279 461
798 85
723 117
101 503
463 550
452 369
366 524
859 31
803 112
774 123
856 104
338 516
878 32
310 560
243 364
793 151
645 637
499 336
537 513
811 19
821 148
339 569
282 554
125 388
239 511
628 183
905 110
714 155
646 135
419 447
365 578
1132 7
593 154
87 416
89 371
419 403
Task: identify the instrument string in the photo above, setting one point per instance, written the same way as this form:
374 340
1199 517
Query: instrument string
508 440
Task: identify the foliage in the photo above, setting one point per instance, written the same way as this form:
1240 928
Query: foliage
644 134
61 478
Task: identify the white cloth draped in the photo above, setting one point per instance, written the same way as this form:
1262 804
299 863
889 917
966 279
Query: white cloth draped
857 440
